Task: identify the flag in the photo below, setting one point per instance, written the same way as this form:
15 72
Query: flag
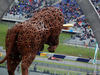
95 55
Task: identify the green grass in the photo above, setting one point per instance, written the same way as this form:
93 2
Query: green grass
3 64
3 30
64 36
74 51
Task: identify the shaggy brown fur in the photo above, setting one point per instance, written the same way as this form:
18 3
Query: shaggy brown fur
25 39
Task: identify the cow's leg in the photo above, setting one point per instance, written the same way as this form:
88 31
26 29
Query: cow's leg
53 40
12 61
27 59
30 44
41 47
53 43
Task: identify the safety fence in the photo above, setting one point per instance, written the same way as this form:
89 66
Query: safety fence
3 71
56 66
64 67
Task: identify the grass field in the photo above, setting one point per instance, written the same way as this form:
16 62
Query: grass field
3 30
61 49
74 51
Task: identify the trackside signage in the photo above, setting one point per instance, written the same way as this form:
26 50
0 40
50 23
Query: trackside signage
95 55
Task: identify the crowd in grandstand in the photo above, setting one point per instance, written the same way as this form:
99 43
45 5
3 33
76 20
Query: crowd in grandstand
80 22
83 24
97 7
27 8
70 9
95 1
23 8
87 31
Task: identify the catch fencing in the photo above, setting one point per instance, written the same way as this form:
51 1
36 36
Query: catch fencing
64 67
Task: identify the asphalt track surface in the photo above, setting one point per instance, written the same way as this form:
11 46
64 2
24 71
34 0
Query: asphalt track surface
81 64
68 62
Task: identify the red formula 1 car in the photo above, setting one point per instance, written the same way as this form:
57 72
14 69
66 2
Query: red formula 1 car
54 58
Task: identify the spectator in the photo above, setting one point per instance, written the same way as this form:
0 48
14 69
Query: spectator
67 1
20 16
18 68
35 68
87 73
79 74
44 71
47 71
